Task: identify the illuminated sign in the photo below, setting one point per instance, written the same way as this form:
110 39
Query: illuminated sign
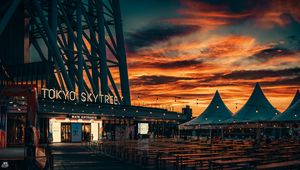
83 97
83 117
143 128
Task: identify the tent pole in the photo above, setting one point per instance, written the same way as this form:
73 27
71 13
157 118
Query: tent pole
258 136
280 132
210 135
222 134
178 133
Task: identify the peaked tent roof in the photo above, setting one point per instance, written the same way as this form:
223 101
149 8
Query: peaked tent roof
214 113
291 114
295 99
257 108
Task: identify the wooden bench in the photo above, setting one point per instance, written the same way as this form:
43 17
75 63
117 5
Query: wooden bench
287 164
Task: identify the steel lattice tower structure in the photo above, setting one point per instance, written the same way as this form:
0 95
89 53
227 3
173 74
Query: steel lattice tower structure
83 40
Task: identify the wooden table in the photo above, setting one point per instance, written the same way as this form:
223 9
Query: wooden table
222 163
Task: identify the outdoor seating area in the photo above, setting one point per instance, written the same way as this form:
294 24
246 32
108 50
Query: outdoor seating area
199 154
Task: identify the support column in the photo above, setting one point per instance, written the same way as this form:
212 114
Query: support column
9 13
71 63
79 47
52 20
102 47
121 52
94 58
53 44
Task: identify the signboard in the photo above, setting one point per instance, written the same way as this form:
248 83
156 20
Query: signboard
76 132
83 97
83 117
143 128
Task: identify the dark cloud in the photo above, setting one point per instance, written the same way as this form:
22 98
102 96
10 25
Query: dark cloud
261 12
294 81
155 34
156 80
258 74
169 65
237 6
178 64
270 53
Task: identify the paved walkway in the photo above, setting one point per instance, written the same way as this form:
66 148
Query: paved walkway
74 157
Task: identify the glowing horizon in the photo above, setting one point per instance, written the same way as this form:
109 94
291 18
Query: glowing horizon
187 50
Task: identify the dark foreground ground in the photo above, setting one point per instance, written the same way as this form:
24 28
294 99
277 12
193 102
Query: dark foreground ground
74 157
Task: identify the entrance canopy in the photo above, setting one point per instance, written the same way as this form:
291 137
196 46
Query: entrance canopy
257 108
216 112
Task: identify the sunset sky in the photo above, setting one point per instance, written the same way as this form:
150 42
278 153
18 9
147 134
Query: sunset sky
188 49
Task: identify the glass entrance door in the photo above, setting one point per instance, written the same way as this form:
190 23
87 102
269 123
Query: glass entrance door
86 131
15 129
65 132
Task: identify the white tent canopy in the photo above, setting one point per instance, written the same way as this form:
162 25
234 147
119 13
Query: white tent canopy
292 113
216 112
257 108
295 99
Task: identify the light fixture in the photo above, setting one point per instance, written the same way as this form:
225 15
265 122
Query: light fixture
99 106
256 110
178 115
14 105
11 102
136 111
112 108
150 112
63 108
19 109
87 104
219 120
206 118
124 109
295 115
217 106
